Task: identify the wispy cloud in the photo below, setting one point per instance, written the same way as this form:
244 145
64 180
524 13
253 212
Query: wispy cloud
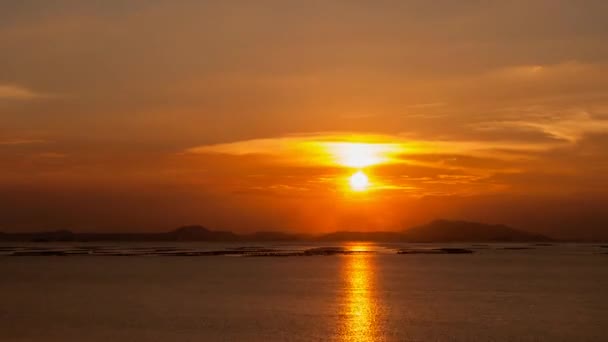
15 92
21 141
427 105
51 155
568 126
399 164
303 147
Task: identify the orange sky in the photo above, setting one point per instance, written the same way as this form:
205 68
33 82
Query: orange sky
145 115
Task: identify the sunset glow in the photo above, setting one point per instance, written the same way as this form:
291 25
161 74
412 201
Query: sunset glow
360 155
232 112
341 170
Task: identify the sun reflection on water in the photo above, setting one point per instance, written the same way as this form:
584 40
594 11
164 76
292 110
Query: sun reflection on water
360 307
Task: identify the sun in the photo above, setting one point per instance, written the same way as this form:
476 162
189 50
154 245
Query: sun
359 181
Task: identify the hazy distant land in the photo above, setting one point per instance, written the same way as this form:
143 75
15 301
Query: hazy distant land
436 231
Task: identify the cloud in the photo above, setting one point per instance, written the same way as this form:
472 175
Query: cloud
397 164
427 105
51 155
21 141
318 146
573 127
15 92
567 126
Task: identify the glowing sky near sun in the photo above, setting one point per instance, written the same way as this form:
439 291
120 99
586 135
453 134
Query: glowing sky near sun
303 115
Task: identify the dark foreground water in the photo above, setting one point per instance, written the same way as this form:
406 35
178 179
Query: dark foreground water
547 293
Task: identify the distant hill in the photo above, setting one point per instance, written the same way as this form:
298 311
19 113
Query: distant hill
442 231
56 235
455 231
436 231
186 233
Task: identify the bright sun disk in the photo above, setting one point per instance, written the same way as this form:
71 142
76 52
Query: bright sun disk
359 181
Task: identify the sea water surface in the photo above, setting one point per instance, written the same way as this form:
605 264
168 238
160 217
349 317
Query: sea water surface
370 293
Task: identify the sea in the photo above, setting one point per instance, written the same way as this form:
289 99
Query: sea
303 292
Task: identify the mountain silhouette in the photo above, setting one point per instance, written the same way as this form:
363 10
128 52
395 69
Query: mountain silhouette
455 231
436 231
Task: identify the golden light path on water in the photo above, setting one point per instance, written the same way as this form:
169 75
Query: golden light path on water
361 308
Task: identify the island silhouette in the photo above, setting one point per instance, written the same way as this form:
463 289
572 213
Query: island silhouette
435 231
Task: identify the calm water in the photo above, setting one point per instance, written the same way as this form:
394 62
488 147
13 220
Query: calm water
557 293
